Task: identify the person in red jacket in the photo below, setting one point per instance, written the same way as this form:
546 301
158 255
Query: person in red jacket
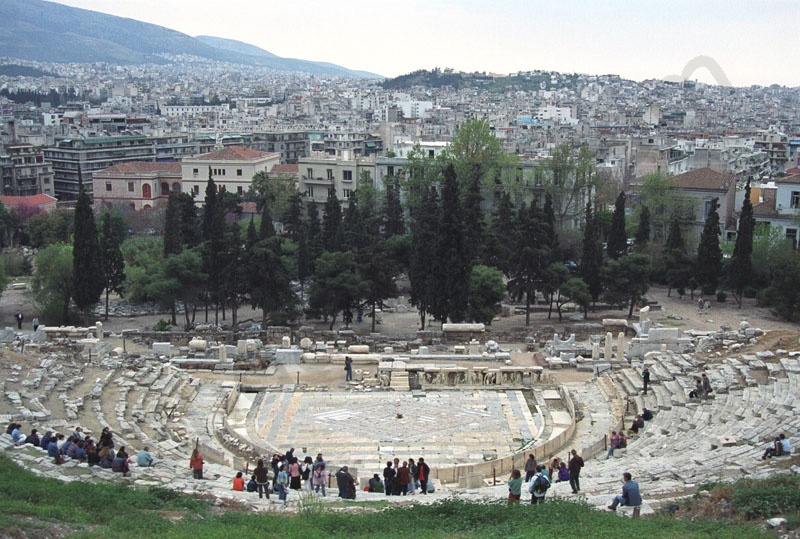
238 482
196 464
424 474
403 477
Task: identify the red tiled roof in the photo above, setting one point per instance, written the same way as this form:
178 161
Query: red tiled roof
794 178
28 201
143 167
764 209
795 170
233 153
706 179
285 169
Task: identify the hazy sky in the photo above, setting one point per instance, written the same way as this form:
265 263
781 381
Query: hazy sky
751 40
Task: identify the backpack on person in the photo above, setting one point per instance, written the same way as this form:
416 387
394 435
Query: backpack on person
541 484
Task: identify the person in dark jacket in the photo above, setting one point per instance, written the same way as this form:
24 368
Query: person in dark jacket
33 438
262 479
575 465
346 484
424 472
388 478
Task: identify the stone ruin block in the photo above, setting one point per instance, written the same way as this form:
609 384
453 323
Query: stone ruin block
285 356
162 349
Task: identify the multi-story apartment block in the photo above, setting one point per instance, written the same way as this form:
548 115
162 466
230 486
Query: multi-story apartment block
776 146
25 171
657 155
697 189
137 185
232 168
779 206
75 159
320 174
292 145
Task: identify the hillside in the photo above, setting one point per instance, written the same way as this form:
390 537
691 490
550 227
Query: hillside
49 32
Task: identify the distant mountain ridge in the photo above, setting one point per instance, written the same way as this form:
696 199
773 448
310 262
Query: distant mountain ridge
49 32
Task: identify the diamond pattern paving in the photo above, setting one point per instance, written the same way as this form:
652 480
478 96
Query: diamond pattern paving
366 429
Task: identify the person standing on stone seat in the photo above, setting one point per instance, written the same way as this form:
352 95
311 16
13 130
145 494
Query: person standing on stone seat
514 486
403 478
530 467
319 478
575 465
645 378
388 478
424 472
196 464
413 471
348 367
262 479
706 386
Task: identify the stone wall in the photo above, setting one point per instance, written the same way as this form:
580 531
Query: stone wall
503 466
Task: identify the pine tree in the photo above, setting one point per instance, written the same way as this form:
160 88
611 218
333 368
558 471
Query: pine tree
87 269
112 261
741 268
709 252
643 230
617 238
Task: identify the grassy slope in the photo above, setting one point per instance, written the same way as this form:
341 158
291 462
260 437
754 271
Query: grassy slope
38 507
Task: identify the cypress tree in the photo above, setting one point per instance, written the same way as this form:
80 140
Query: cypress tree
643 230
392 210
424 234
741 268
592 258
331 222
452 267
617 238
709 252
87 269
313 236
472 218
213 238
293 218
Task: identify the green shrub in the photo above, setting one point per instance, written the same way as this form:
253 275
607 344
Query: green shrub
749 292
15 264
162 325
766 501
722 296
